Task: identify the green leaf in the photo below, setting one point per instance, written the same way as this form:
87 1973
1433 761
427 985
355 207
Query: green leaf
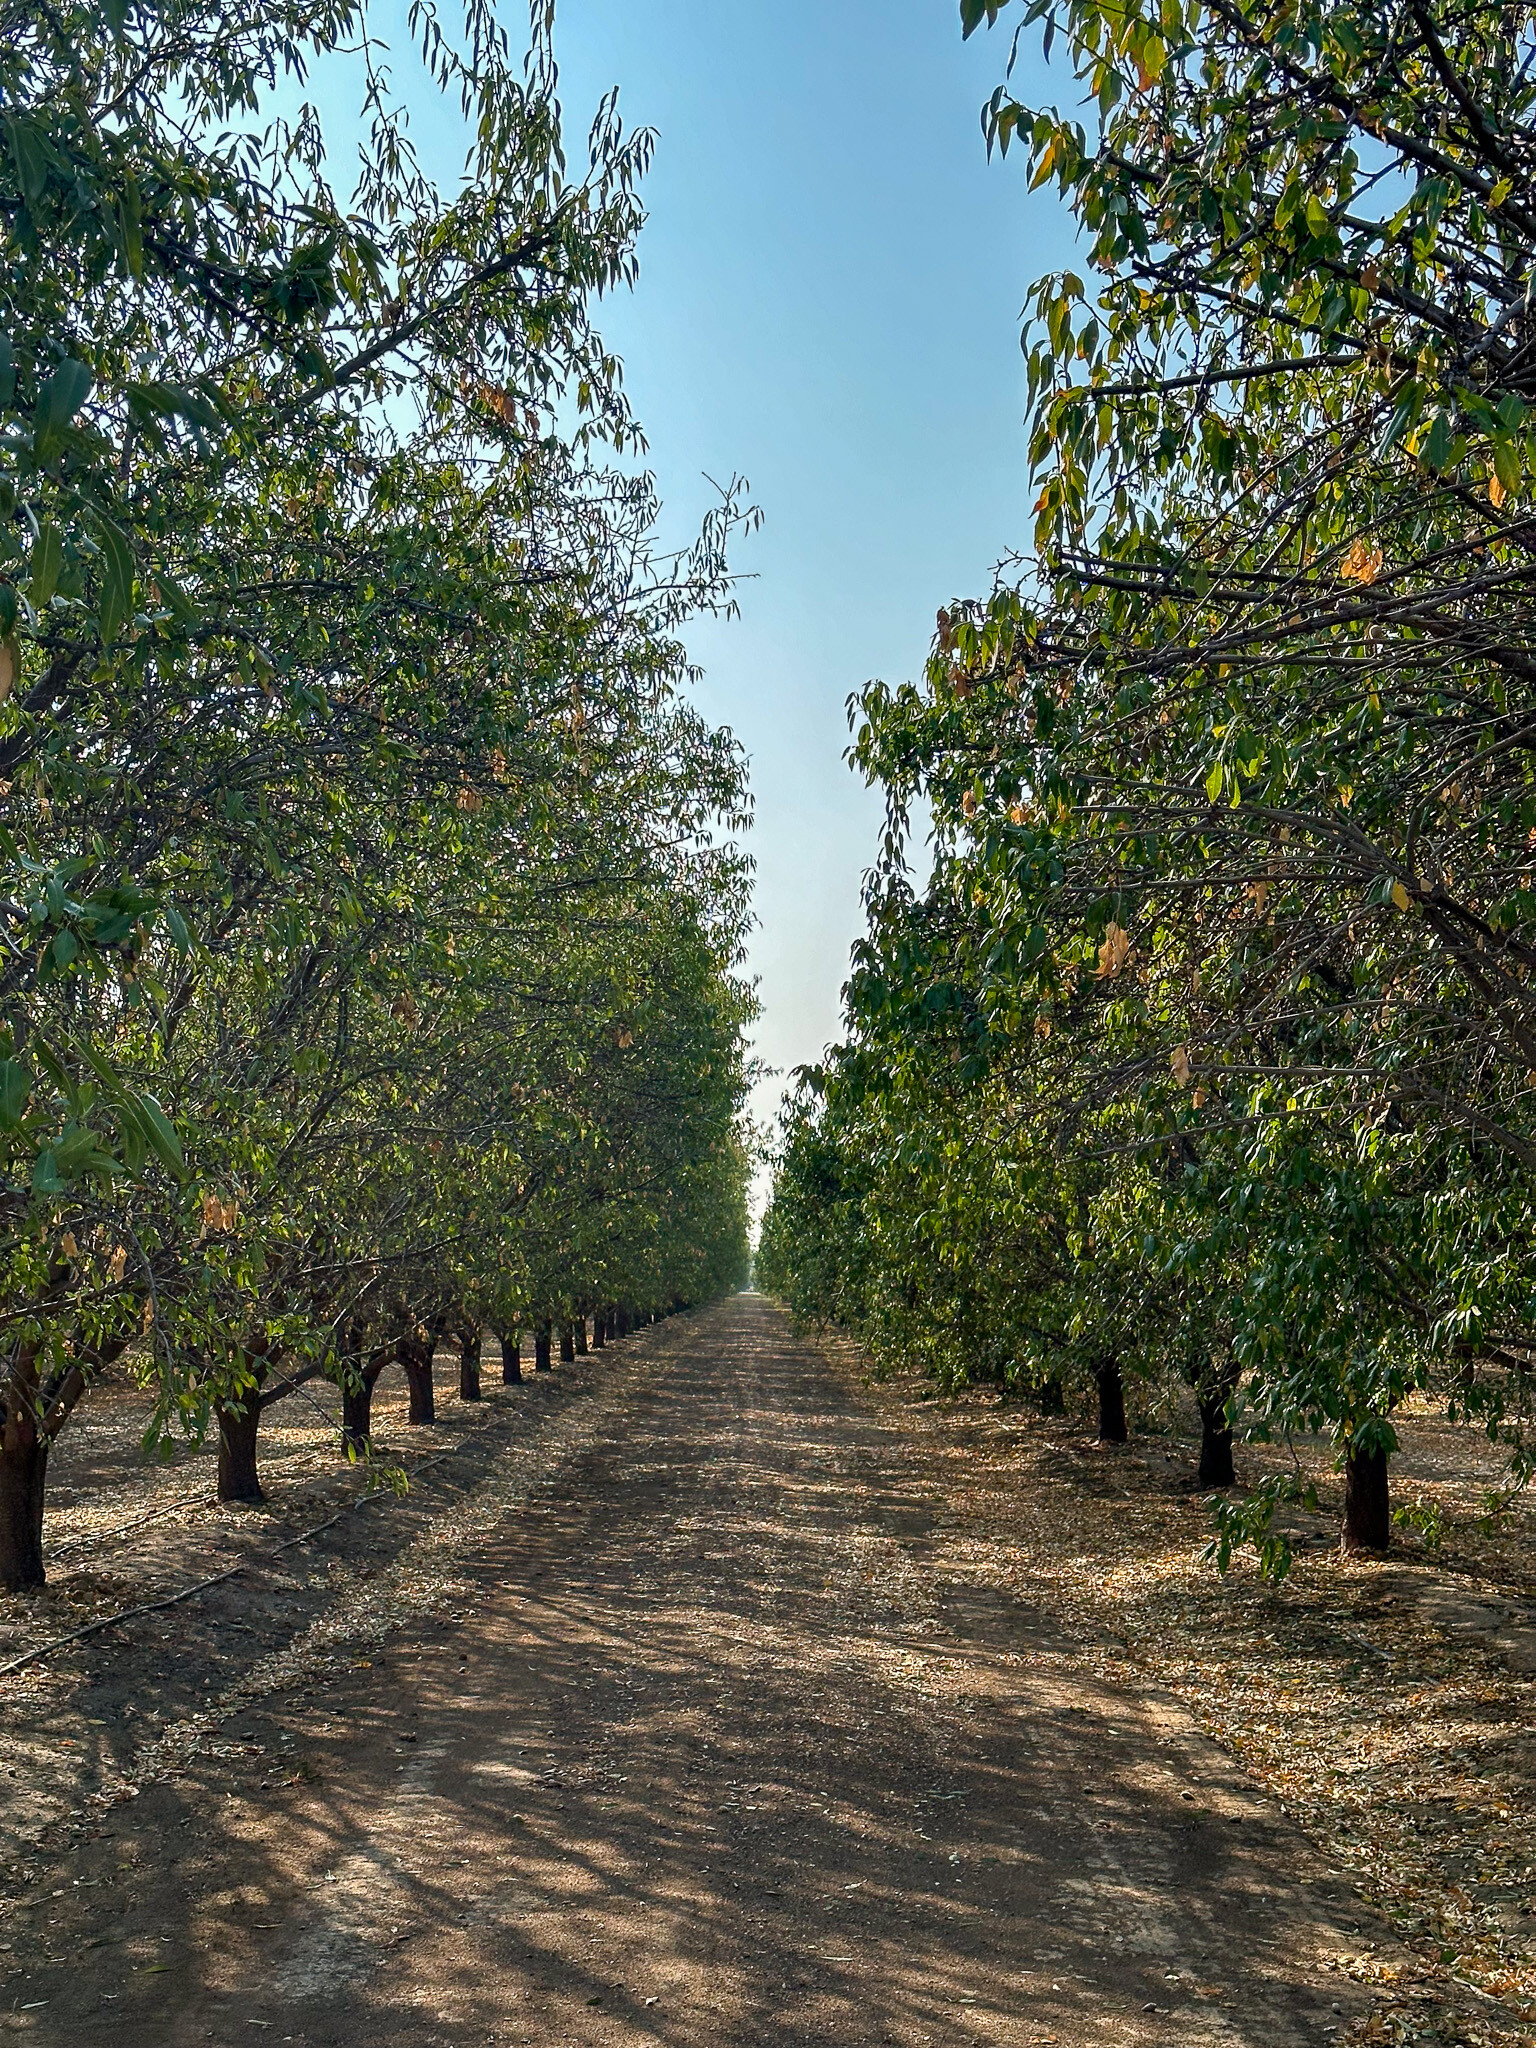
61 398
1437 445
45 1175
15 1094
47 561
1213 783
117 579
129 219
31 154
161 1134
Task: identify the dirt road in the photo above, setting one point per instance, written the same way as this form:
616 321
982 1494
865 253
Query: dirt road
712 1752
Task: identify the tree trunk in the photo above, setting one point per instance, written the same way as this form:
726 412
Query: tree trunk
511 1358
356 1416
567 1344
1112 1426
1050 1398
357 1404
23 1477
581 1336
1216 1468
599 1333
469 1364
1367 1508
621 1322
541 1348
238 1425
416 1357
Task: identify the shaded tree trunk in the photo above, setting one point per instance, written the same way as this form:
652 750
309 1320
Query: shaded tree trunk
1367 1505
599 1332
416 1357
511 1358
541 1337
239 1423
469 1364
1050 1397
567 1344
1112 1424
1216 1467
23 1481
581 1336
357 1404
621 1322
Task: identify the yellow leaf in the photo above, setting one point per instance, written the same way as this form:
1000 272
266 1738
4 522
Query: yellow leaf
1496 493
1399 895
1115 950
1362 562
1179 1060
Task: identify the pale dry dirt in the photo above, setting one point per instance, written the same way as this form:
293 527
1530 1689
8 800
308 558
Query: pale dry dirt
676 1723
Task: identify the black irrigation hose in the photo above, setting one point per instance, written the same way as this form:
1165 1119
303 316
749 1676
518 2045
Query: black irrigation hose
92 1628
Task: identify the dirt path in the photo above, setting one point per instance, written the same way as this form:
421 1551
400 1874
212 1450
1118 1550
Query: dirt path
712 1752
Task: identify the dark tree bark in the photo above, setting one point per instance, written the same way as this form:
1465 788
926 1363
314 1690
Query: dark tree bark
541 1337
23 1482
239 1423
621 1322
357 1403
511 1357
1216 1467
1112 1424
469 1363
416 1357
599 1332
1367 1505
581 1336
567 1344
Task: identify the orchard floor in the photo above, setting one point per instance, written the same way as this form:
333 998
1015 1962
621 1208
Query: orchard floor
683 1719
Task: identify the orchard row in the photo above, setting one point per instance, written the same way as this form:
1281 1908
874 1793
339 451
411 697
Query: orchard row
1206 1057
371 922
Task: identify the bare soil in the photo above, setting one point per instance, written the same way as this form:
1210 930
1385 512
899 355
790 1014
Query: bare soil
690 1701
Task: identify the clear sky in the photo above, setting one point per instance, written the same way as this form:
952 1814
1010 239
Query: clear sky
831 280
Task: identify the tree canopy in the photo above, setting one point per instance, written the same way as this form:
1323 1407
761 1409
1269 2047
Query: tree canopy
1214 1022
372 921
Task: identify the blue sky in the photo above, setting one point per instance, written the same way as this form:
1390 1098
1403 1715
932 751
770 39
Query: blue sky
829 299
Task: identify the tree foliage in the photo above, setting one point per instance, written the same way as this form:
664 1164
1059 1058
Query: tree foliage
371 949
1232 910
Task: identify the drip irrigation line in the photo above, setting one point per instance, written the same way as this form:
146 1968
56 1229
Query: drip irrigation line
92 1628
